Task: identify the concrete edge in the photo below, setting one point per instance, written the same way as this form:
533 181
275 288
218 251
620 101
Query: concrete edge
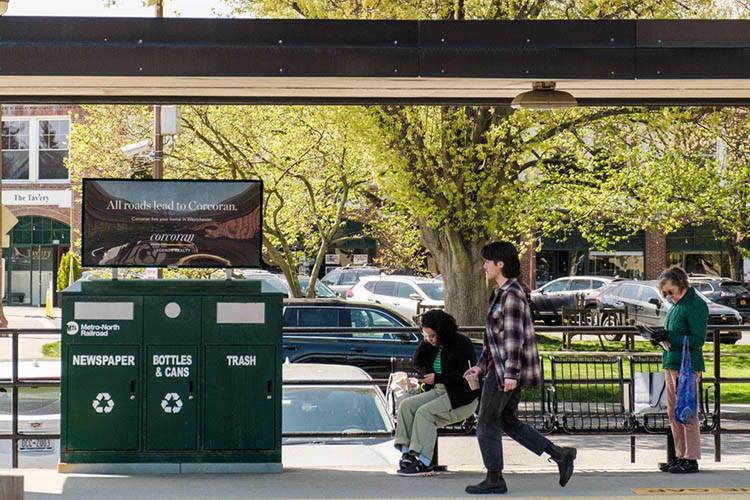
170 468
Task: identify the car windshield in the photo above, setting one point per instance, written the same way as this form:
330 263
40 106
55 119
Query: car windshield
272 284
733 288
332 409
706 299
320 289
31 401
435 291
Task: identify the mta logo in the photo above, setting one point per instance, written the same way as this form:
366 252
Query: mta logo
72 327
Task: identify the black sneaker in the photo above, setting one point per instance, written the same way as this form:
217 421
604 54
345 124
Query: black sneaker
664 466
417 468
684 466
406 460
488 487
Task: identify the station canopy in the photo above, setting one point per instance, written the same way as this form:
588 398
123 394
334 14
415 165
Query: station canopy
246 61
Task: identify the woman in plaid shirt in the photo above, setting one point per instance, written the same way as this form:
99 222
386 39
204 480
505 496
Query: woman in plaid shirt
510 360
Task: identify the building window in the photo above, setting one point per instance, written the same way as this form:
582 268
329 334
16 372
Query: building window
16 149
621 264
34 149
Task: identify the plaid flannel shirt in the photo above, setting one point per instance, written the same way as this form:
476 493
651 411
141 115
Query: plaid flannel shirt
509 337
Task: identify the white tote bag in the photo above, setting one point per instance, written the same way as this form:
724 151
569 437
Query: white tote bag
650 393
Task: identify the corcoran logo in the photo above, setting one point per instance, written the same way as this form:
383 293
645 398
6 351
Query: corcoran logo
72 327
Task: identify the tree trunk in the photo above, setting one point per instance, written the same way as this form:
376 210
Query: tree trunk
736 262
460 263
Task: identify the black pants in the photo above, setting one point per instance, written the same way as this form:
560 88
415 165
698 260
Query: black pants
498 412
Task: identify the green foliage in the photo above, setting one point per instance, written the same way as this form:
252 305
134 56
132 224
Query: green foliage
315 171
478 9
52 349
63 273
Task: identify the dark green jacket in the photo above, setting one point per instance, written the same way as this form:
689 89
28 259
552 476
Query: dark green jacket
688 317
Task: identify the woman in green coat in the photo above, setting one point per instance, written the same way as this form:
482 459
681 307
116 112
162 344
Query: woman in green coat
687 319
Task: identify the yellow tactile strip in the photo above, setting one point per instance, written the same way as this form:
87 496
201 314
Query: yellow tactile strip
691 491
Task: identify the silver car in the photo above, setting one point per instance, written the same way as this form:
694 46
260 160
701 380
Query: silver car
312 407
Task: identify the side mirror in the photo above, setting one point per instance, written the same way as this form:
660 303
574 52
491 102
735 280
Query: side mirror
655 301
541 290
415 296
403 336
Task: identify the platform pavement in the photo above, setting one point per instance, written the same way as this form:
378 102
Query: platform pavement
603 470
381 483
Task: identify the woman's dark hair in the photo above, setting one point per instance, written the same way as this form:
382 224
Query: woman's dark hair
442 323
677 276
505 252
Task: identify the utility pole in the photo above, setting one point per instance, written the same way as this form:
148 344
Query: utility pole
158 171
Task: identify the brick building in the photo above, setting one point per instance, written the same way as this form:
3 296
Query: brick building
36 189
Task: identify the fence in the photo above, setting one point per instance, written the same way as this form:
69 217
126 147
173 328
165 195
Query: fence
15 384
586 394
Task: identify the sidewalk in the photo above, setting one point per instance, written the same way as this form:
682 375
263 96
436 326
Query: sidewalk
31 317
353 483
29 346
603 470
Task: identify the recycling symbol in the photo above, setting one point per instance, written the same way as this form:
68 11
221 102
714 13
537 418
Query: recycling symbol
171 403
103 403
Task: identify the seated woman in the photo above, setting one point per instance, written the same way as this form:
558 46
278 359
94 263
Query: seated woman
443 356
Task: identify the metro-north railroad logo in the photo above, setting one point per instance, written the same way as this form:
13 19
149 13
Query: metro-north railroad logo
72 327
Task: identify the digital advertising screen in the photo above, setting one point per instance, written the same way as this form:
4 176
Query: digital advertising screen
171 223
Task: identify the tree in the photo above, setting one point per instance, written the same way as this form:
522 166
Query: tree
315 174
457 167
95 140
693 169
66 276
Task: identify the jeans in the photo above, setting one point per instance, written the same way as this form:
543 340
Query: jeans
498 412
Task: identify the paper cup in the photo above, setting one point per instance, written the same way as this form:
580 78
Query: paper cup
473 381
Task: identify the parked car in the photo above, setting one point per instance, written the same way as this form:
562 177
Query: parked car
645 305
371 351
344 408
724 291
342 279
548 300
38 415
402 293
270 282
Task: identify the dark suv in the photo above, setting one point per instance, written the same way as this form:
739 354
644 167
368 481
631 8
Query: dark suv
724 291
370 350
645 305
547 301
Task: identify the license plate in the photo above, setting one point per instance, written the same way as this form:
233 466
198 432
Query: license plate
35 445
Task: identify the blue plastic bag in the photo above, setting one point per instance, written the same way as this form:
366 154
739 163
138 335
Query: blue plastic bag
687 402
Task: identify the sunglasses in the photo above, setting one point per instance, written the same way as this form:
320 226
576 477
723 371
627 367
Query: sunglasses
667 293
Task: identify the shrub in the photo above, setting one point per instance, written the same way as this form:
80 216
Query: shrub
63 273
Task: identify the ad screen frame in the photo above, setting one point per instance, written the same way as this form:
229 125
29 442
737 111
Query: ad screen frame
151 228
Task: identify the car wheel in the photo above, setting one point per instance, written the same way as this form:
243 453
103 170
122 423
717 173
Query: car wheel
611 320
730 340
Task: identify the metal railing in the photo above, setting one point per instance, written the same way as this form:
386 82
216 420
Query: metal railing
16 384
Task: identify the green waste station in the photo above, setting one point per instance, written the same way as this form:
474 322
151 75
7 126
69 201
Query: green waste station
170 376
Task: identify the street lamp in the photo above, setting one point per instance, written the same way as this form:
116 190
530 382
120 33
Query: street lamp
543 97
